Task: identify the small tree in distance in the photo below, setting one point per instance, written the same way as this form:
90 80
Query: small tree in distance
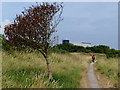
34 28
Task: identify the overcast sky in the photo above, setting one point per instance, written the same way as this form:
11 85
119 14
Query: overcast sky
92 22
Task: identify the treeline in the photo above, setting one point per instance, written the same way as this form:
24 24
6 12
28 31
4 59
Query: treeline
68 47
64 48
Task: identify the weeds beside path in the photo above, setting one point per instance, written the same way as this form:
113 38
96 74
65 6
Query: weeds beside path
107 72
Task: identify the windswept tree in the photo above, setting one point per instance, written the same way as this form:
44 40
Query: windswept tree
34 27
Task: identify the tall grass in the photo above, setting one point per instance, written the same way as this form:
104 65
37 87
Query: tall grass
0 69
23 70
28 70
109 68
69 69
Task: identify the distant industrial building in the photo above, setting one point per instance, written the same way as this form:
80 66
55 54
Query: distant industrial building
65 41
84 44
54 41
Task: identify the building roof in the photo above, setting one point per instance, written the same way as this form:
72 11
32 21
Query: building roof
81 43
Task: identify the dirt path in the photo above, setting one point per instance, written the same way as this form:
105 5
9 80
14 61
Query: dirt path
92 80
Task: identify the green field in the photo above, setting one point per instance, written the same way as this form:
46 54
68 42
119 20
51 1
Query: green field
28 70
22 69
108 68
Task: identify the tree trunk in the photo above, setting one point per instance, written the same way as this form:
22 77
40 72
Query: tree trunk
49 68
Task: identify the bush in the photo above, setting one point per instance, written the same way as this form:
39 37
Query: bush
71 48
57 50
110 53
5 46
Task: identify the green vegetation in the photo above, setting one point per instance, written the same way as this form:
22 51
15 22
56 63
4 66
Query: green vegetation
70 47
67 47
26 70
109 68
34 28
57 50
110 53
1 38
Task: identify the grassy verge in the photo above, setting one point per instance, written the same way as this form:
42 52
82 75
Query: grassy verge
108 72
28 70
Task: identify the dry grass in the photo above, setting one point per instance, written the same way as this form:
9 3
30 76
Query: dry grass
71 63
107 72
23 70
28 70
85 58
0 69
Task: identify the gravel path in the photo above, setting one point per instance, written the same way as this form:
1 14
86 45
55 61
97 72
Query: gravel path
92 80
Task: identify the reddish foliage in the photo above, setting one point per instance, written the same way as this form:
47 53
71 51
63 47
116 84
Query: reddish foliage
35 26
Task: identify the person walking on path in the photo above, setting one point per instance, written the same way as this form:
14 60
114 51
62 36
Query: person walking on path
93 59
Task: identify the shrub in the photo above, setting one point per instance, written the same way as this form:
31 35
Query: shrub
57 50
110 53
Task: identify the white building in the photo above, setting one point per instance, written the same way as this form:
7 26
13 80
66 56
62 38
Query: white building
84 44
